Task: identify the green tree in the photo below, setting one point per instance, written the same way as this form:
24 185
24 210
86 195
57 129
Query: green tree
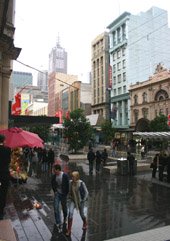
108 131
42 130
77 130
159 123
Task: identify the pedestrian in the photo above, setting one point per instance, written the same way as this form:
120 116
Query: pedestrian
77 196
131 160
60 186
5 159
98 161
91 157
154 165
142 152
51 157
104 156
162 164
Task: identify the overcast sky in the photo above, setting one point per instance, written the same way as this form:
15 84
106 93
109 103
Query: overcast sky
77 22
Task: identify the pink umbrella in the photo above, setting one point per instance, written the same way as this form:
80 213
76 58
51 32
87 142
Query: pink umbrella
17 137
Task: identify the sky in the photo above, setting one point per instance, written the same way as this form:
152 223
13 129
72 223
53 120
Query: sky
38 23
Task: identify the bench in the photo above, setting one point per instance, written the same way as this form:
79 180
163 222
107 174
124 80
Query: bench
7 231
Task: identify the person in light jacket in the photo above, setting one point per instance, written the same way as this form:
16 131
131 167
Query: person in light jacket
77 196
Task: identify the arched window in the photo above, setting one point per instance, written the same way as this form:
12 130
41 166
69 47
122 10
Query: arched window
161 95
136 116
144 97
145 113
135 100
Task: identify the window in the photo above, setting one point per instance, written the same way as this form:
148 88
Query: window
118 54
124 89
124 76
119 91
114 92
145 113
135 100
124 64
144 97
114 80
123 51
136 114
114 68
119 78
119 66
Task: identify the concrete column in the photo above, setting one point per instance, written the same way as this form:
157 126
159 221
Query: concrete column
4 93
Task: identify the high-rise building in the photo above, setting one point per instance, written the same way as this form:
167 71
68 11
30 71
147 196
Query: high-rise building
137 44
42 80
20 80
58 59
100 75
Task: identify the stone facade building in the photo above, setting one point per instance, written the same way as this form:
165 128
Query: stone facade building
150 98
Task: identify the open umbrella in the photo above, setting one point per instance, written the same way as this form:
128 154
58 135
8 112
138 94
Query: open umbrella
17 137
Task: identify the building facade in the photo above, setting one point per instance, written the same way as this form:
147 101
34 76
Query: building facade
42 80
8 53
20 80
150 98
58 59
58 83
137 44
100 75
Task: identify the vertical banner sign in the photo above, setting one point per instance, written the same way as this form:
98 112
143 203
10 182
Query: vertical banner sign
168 119
110 76
18 104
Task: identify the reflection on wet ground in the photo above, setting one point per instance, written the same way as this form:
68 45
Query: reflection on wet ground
117 205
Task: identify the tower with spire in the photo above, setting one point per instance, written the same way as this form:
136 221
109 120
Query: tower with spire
58 59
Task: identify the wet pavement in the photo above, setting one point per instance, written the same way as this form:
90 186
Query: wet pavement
117 205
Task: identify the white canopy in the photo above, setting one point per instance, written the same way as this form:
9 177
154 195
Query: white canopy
162 135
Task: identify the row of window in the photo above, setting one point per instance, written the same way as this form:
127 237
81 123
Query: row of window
160 95
119 78
119 66
119 91
119 35
119 53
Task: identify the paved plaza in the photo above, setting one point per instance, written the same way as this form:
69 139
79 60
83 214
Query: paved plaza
119 207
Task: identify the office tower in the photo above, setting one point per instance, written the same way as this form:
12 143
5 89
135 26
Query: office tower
58 59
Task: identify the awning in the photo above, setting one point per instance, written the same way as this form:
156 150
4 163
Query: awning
162 135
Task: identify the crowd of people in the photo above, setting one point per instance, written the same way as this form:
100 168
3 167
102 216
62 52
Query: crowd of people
38 160
161 164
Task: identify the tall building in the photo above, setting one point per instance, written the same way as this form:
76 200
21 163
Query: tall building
137 44
42 80
100 75
20 80
58 59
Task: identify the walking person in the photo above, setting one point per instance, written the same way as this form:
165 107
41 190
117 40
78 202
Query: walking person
91 157
131 160
51 157
154 165
77 196
98 161
60 186
5 159
104 156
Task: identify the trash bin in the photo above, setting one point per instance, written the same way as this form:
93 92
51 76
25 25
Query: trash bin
122 166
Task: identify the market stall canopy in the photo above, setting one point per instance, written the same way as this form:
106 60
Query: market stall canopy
162 135
17 137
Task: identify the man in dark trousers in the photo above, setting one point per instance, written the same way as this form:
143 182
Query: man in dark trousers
91 158
5 159
60 186
131 160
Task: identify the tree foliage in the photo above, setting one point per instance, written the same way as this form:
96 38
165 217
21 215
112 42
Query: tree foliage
77 130
108 131
42 130
159 123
